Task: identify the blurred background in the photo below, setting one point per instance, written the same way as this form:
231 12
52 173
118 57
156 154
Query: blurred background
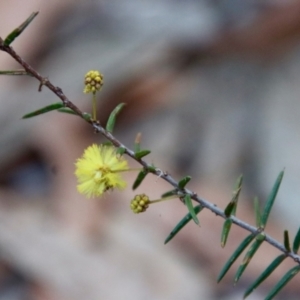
213 86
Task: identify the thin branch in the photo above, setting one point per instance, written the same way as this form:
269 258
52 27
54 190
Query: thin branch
44 81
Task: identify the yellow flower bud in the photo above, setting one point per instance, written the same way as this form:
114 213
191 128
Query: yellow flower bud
93 81
139 203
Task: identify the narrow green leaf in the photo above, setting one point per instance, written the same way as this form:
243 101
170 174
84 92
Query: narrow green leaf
283 281
231 207
265 274
141 153
182 223
225 232
14 72
67 110
252 250
184 181
271 199
113 116
141 176
257 212
121 150
43 110
237 187
170 193
235 255
286 241
296 242
189 204
16 32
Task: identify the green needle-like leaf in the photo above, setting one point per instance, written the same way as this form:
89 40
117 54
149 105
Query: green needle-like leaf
238 186
14 72
296 242
225 232
265 274
283 281
257 212
113 116
254 247
189 204
67 111
169 193
43 110
16 32
231 207
182 223
141 153
271 199
184 181
141 176
286 241
235 255
230 210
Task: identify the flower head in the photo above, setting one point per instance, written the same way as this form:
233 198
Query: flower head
93 81
98 170
139 203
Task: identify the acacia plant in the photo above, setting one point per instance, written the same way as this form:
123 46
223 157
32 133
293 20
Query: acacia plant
100 168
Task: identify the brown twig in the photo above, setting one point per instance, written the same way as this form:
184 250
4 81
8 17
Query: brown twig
44 81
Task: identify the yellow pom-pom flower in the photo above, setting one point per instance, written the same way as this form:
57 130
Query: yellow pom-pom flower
139 203
98 170
93 82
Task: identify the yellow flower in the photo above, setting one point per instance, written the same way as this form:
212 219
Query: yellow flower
93 81
98 170
139 203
